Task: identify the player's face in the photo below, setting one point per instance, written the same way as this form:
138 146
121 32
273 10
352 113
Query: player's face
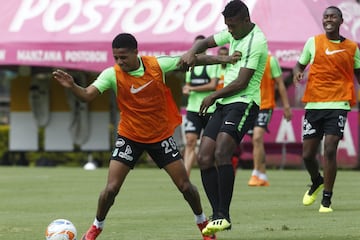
236 26
331 20
126 59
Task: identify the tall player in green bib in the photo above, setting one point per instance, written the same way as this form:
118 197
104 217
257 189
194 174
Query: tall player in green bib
236 109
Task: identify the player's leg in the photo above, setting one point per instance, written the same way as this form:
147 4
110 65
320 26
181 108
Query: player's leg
206 161
167 156
238 119
189 152
116 176
118 169
312 134
258 176
334 130
310 151
193 125
330 170
259 157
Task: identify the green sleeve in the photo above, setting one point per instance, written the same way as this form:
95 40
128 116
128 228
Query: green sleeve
106 80
275 67
168 63
222 38
357 59
308 53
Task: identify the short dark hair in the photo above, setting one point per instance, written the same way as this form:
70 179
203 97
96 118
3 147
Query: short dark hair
234 8
124 40
336 9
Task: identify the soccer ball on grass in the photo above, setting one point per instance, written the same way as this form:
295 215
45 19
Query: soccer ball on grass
60 229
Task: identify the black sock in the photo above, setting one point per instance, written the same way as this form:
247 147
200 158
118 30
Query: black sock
318 180
226 186
326 200
209 179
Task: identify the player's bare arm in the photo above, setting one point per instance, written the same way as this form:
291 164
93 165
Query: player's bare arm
298 73
189 58
212 59
284 98
67 81
242 81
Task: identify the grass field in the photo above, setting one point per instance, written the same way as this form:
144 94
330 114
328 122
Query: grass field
149 206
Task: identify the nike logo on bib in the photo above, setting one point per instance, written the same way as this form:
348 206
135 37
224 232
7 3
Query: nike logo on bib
328 52
134 90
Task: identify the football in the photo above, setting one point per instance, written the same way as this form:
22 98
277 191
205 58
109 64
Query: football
60 229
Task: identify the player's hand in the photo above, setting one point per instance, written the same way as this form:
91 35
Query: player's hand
186 90
297 77
205 104
65 79
287 113
236 56
187 60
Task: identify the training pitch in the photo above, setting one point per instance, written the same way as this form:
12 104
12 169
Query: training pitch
149 207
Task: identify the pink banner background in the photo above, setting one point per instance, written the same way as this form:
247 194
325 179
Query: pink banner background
45 30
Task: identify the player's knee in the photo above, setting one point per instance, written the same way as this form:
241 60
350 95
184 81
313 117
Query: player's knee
222 157
205 161
111 190
184 186
191 142
257 140
188 191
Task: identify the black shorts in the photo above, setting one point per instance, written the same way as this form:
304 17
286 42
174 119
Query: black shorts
129 152
235 119
262 120
195 123
318 122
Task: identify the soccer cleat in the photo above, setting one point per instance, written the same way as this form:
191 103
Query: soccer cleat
92 233
324 209
216 225
311 194
201 226
263 183
253 181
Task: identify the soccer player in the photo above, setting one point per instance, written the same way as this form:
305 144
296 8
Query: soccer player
236 109
199 83
272 79
329 95
148 118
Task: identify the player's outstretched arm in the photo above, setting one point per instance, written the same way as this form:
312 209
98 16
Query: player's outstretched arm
212 59
67 81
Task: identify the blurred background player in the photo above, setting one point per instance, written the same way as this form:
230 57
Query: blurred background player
200 81
271 80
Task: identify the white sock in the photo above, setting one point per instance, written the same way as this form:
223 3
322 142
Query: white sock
255 172
263 176
99 224
200 218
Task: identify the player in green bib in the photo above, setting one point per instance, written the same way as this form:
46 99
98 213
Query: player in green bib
236 109
200 82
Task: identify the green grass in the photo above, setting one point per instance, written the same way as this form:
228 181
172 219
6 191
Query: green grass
149 206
